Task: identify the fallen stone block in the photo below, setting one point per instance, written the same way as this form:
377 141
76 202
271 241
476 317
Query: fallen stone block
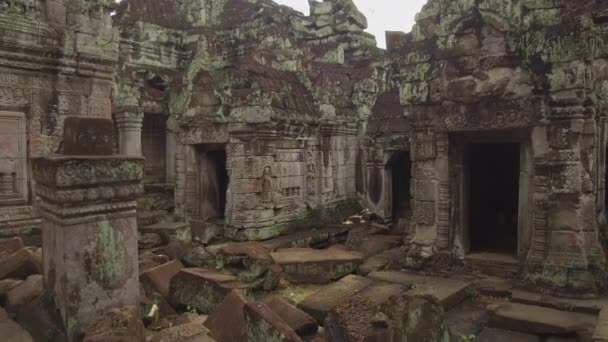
264 325
358 318
149 240
309 238
600 334
538 320
226 322
5 286
313 266
301 322
148 260
381 261
11 331
499 335
251 262
42 319
118 325
193 331
448 291
414 318
375 244
203 289
25 292
319 303
170 231
19 264
159 277
9 246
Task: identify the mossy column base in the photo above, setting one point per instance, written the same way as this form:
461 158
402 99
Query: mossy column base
89 233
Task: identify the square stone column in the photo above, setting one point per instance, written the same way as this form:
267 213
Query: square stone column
89 238
129 122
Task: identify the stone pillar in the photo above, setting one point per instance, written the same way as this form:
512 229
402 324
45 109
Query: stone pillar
129 131
566 256
89 229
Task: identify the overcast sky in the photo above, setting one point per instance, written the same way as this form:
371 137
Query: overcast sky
382 15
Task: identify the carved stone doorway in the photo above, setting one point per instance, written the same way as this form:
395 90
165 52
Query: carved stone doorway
400 167
491 194
213 181
494 197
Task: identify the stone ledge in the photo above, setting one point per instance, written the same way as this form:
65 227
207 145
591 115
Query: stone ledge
82 171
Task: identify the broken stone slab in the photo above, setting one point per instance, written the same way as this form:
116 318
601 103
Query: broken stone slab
5 286
226 322
600 334
358 318
20 263
117 325
313 266
40 318
494 286
500 335
24 293
9 246
448 291
197 256
538 320
193 331
158 278
381 261
251 261
265 325
205 232
590 306
170 231
149 240
309 238
319 303
203 289
375 244
11 331
148 260
415 318
301 322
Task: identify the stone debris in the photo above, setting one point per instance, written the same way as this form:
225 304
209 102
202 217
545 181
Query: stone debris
203 289
24 293
299 321
319 303
170 231
118 325
448 291
158 278
500 335
538 320
40 318
263 325
313 266
11 331
385 260
226 322
358 318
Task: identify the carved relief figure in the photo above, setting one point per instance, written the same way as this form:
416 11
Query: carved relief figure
267 188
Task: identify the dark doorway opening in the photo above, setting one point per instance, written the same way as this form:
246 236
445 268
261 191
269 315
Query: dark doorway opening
213 182
153 147
494 197
400 165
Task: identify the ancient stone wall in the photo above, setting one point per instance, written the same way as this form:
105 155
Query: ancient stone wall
283 94
531 71
56 60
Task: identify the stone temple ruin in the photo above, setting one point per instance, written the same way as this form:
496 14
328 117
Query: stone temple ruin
234 170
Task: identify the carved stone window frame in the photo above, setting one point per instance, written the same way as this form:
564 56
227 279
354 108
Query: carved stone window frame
21 195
